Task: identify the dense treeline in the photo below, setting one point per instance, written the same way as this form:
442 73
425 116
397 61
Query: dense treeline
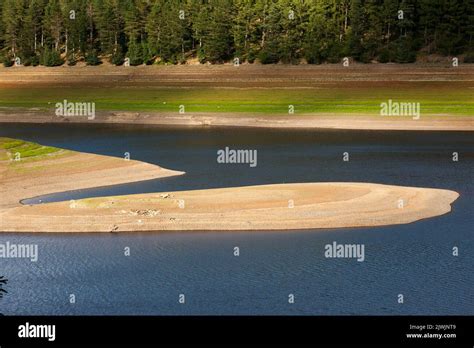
52 32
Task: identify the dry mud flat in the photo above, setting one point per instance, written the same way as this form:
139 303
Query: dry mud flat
266 207
244 76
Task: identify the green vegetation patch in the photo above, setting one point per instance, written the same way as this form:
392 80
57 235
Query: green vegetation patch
449 98
25 149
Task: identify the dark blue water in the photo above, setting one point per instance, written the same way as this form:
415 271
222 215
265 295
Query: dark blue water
414 260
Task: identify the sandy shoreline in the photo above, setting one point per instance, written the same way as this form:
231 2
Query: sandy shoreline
349 83
201 119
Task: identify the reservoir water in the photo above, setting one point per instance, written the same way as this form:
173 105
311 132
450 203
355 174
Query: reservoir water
414 260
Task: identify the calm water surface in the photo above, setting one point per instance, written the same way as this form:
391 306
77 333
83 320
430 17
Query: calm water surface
414 260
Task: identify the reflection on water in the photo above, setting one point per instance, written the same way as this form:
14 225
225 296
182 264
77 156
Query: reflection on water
414 260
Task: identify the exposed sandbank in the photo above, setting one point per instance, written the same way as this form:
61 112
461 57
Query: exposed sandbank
266 207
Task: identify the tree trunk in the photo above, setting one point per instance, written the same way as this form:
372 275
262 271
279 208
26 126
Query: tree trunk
345 19
182 47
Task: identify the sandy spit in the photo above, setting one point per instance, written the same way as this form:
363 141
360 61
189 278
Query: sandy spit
69 170
265 207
